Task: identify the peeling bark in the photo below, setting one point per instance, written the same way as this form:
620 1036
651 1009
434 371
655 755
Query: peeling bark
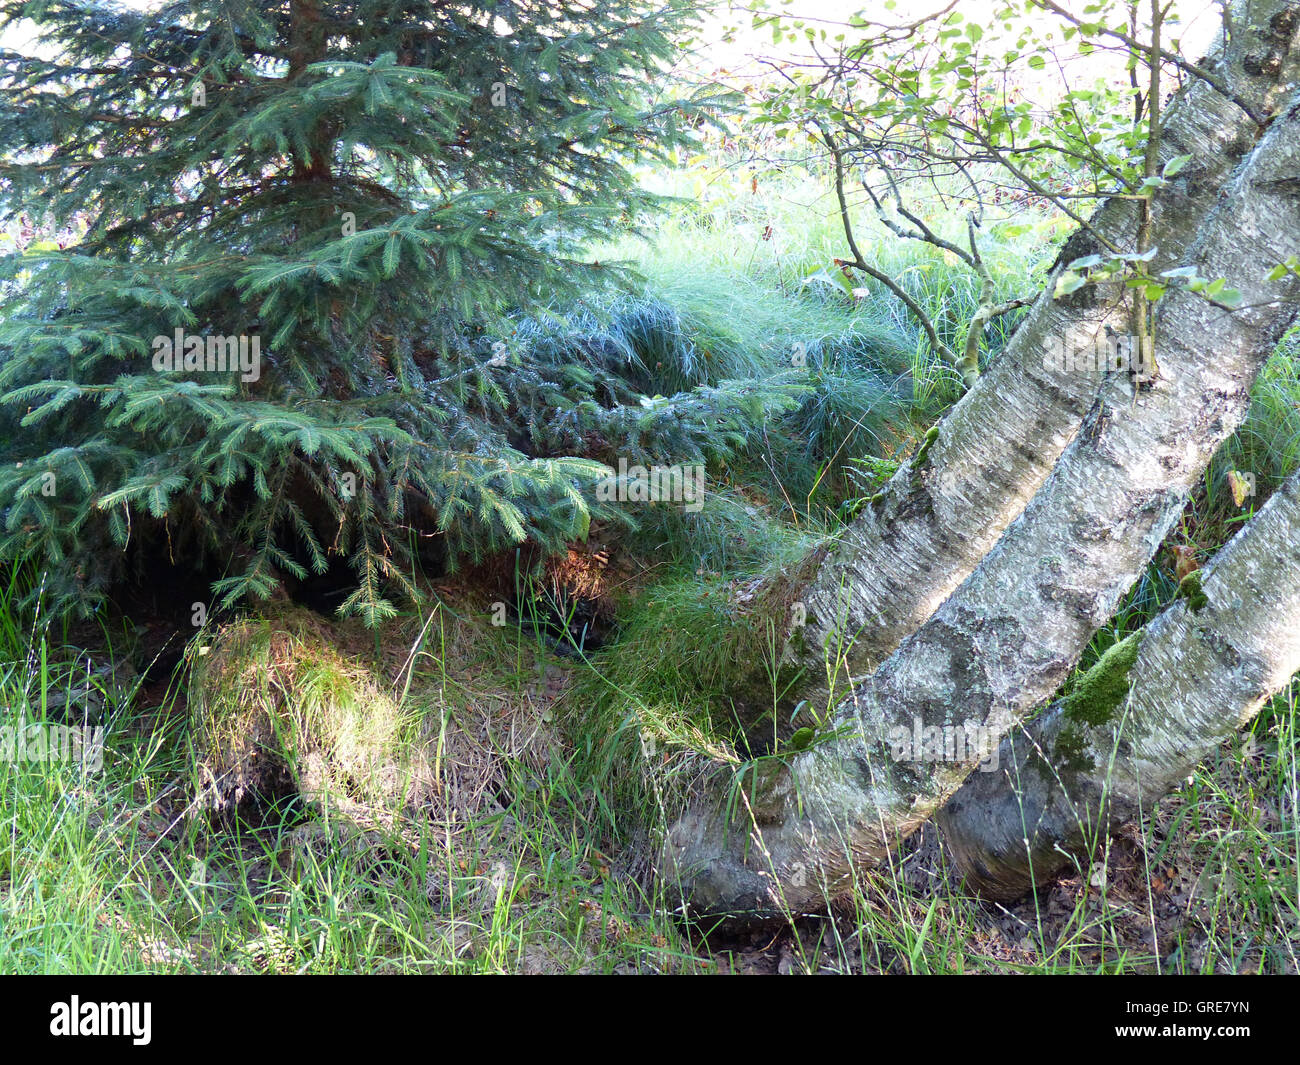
1004 641
1202 670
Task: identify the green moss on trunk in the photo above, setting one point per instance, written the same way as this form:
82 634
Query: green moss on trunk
1100 691
923 452
1189 588
1096 696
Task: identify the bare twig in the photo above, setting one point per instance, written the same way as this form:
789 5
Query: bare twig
858 262
1207 76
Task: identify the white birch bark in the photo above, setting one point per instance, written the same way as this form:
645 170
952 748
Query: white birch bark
908 551
1004 641
1200 671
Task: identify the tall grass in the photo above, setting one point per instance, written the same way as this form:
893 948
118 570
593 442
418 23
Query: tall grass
116 871
752 284
590 755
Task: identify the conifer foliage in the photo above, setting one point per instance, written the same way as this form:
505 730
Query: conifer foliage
350 205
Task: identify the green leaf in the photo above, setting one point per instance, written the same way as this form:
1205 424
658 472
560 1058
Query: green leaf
1068 282
802 738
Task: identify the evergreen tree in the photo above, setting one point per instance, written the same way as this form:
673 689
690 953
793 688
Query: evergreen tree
369 193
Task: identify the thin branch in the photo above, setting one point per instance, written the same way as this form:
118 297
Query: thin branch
1207 76
860 263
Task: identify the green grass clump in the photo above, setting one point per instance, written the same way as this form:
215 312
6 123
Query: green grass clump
276 710
120 871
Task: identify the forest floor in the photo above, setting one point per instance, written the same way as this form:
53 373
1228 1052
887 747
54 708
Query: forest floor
468 835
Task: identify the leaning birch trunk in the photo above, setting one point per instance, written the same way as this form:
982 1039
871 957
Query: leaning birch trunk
1150 710
1004 641
937 519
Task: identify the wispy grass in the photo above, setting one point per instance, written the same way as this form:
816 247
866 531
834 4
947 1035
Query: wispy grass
119 871
554 774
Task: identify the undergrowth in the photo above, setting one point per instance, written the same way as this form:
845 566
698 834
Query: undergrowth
551 777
